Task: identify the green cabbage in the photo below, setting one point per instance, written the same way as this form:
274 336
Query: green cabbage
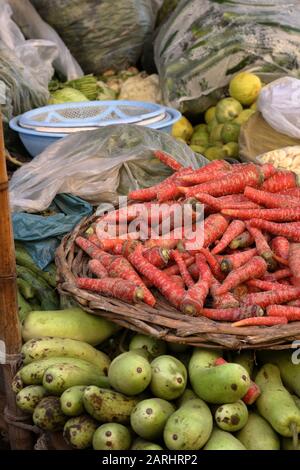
67 95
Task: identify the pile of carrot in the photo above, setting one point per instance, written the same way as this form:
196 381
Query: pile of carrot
247 271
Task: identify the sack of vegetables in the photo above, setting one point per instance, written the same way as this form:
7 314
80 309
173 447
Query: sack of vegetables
205 42
100 34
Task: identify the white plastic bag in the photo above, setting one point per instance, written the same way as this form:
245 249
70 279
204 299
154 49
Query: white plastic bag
97 166
279 103
37 55
32 25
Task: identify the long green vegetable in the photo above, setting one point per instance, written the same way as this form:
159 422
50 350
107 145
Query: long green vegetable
45 294
24 259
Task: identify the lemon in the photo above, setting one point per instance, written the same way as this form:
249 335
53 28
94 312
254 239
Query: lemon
199 138
228 109
230 132
212 124
198 148
209 114
182 129
245 87
231 149
201 128
244 116
215 153
216 133
254 106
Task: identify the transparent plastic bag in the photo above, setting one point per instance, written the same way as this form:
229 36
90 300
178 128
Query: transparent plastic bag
32 25
25 67
205 42
97 166
101 34
279 103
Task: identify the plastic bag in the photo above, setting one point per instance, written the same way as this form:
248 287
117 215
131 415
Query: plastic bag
279 103
25 67
41 234
32 25
100 34
205 42
97 166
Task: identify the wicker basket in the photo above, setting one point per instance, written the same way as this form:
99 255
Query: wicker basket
163 321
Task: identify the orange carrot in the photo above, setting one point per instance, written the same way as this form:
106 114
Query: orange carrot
268 170
97 268
213 264
232 201
255 268
108 244
290 230
240 291
95 240
205 173
235 228
178 281
112 287
193 301
129 247
126 214
222 301
260 321
214 227
280 181
277 275
118 249
268 285
173 270
94 252
187 278
194 271
168 160
167 243
276 215
168 192
169 289
262 246
289 312
236 260
120 267
280 246
294 303
232 314
295 192
232 183
271 200
294 263
271 297
242 241
157 256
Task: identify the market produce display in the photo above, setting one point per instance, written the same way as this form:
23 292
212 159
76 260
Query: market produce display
217 137
128 84
246 270
153 398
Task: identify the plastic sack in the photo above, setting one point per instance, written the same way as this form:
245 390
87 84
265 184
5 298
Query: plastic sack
41 234
205 42
97 166
279 103
33 27
25 67
101 34
257 137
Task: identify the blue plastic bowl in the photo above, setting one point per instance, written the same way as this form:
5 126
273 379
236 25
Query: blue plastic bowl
36 142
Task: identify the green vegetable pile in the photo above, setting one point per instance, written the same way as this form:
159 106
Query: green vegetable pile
155 395
36 288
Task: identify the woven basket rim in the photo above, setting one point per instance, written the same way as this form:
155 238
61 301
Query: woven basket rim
162 321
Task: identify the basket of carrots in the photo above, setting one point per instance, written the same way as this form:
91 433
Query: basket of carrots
239 288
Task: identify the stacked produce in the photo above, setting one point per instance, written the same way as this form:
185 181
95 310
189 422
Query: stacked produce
218 136
287 158
36 288
141 400
247 267
129 84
